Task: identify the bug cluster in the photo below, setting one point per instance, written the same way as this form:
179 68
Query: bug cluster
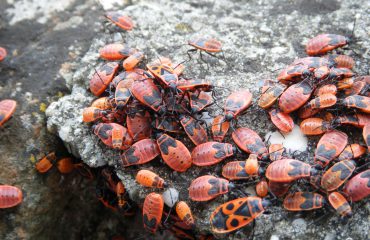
142 108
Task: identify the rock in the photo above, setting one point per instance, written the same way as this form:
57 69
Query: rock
259 37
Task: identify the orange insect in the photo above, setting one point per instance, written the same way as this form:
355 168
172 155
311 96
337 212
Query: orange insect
121 191
288 170
150 179
262 188
152 211
139 125
91 114
3 54
109 132
237 213
219 128
279 189
321 72
122 95
184 213
194 84
358 187
283 121
357 120
237 103
295 96
323 43
208 187
116 51
326 89
359 102
140 152
65 165
340 204
193 129
251 165
358 88
210 153
352 151
46 163
174 153
303 201
335 176
206 44
345 83
276 151
168 124
341 61
331 144
148 94
337 73
102 77
293 73
250 142
122 21
102 103
10 196
199 101
133 60
236 170
270 95
7 108
315 126
366 135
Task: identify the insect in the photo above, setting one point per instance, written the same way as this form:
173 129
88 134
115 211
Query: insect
210 153
335 176
283 121
174 153
121 191
366 135
235 170
345 83
279 189
122 95
337 73
65 165
140 152
206 44
358 187
288 170
323 101
102 103
7 108
295 96
262 188
122 21
293 73
148 94
3 53
237 213
102 77
164 74
185 85
184 213
326 89
236 103
357 120
276 151
105 131
150 179
315 126
199 101
323 43
46 163
91 114
303 201
208 187
357 101
269 96
219 128
152 211
116 51
321 72
250 142
340 204
139 125
133 60
352 151
330 145
341 61
193 129
168 124
358 88
10 196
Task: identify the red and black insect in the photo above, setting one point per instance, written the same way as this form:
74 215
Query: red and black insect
175 154
121 20
262 188
152 211
191 85
66 165
102 103
184 213
237 103
357 120
206 44
208 187
122 96
116 51
140 152
236 170
295 96
168 124
331 144
91 114
7 108
270 95
46 163
315 126
279 189
340 204
341 61
335 176
326 89
133 60
303 201
199 101
283 121
219 128
345 83
107 132
276 151
164 74
210 153
323 43
356 101
250 142
338 73
148 94
150 179
358 187
102 77
139 125
358 88
237 213
10 196
193 129
352 151
288 170
3 53
293 73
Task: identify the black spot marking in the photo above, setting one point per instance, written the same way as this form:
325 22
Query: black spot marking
130 157
230 206
220 150
309 201
216 185
234 223
150 224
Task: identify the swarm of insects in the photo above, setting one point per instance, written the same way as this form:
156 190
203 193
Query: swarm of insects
143 105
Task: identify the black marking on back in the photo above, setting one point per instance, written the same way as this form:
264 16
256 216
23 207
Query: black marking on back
129 154
220 150
103 131
324 153
366 174
309 200
243 210
150 224
255 206
219 220
343 169
216 184
166 144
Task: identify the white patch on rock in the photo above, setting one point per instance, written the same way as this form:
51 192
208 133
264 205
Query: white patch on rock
110 4
293 141
73 22
170 197
274 237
